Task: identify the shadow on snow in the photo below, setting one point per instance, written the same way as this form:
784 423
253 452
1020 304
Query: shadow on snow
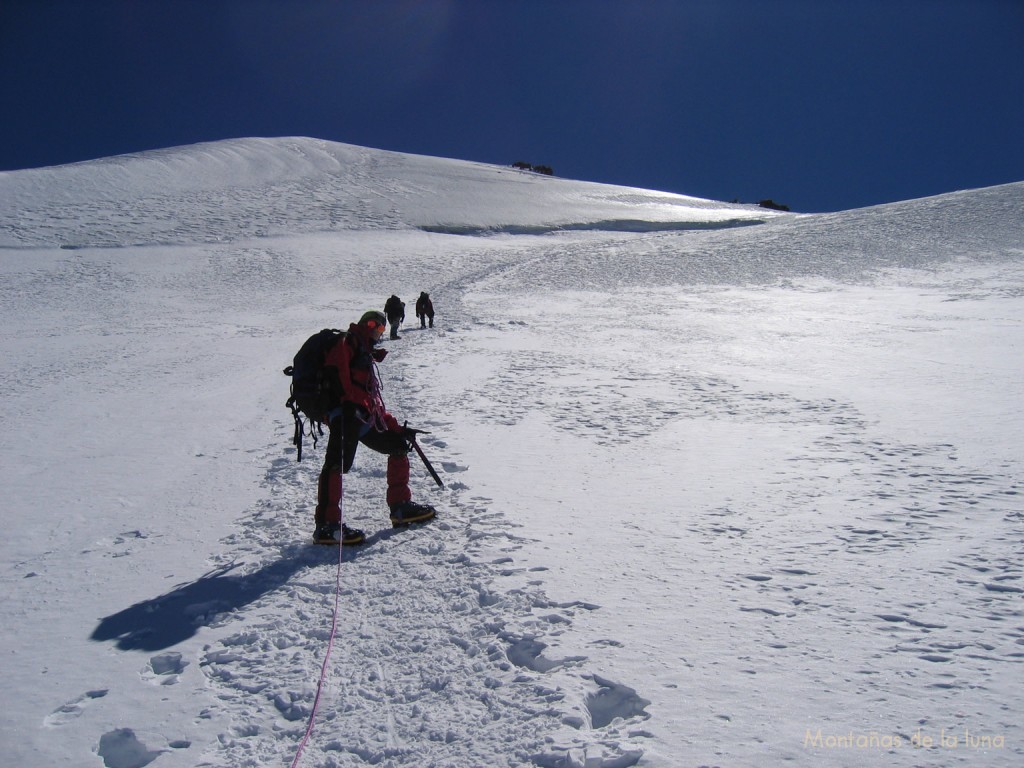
164 621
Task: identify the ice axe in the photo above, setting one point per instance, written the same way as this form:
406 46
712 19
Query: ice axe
410 435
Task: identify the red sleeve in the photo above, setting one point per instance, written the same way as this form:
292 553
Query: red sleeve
340 357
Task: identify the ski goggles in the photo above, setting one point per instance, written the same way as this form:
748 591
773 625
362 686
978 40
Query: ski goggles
376 329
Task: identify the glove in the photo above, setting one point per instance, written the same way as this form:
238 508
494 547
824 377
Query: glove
410 434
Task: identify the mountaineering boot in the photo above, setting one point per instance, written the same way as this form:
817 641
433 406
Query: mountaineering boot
332 533
407 512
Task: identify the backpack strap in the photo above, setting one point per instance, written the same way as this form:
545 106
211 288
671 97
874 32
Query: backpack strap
303 426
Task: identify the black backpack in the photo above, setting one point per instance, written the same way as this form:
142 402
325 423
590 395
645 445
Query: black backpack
313 394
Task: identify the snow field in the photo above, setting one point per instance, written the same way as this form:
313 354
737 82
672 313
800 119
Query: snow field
716 495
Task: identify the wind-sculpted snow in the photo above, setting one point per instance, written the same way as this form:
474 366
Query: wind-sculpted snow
984 225
253 188
617 225
903 547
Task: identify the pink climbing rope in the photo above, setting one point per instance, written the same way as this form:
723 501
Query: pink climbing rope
327 658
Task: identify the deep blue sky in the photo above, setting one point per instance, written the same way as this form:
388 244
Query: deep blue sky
819 104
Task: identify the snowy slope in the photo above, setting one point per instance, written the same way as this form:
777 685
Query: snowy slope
221 191
715 494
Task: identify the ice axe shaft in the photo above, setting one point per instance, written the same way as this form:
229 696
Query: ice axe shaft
411 436
426 463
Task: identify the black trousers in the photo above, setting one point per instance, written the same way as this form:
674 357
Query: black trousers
346 432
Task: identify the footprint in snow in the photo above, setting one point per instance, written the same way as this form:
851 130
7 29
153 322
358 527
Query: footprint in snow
122 749
164 668
613 700
74 708
528 653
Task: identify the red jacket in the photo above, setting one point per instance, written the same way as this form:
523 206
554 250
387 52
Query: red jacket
354 359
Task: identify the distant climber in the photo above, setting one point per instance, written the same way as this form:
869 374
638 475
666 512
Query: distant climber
394 309
425 310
